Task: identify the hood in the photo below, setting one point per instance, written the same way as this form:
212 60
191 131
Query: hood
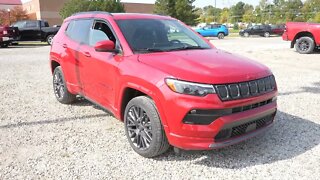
210 66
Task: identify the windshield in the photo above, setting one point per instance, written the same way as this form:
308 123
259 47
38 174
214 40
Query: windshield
156 35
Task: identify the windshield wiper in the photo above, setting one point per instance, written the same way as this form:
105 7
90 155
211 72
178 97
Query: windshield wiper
150 50
187 47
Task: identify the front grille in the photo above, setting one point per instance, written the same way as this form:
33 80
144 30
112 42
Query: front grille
242 90
241 129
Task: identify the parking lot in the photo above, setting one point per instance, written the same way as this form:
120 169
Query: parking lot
42 139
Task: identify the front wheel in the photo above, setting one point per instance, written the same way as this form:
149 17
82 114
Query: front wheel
60 89
220 36
266 34
305 45
143 128
5 45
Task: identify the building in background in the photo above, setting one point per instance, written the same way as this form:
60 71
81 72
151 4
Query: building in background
9 4
49 9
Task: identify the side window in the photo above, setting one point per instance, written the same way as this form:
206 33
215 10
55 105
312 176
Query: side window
255 27
20 24
78 30
44 24
207 27
31 24
99 32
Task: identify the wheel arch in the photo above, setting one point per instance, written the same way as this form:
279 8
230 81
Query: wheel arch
299 35
131 91
54 64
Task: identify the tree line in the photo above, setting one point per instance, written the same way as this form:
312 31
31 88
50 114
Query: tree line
274 12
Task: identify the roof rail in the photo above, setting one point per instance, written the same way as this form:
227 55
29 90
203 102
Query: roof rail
92 12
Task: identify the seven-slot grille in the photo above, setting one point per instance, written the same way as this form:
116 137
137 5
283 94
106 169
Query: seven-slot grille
245 89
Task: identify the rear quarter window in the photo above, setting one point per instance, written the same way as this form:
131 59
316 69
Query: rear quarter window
78 30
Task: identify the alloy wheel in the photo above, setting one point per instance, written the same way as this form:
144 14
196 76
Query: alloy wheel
139 128
58 85
304 46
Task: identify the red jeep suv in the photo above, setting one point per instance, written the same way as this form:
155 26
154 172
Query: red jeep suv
166 83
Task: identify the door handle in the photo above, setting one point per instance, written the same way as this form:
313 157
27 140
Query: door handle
64 45
87 54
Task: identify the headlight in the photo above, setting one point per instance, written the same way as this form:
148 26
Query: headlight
189 88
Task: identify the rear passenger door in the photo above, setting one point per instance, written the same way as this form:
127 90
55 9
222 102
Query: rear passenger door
31 31
76 39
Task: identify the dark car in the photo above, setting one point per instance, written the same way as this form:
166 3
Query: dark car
7 35
278 29
36 30
260 30
169 85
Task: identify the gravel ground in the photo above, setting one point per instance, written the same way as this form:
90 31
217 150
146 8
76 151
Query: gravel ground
42 139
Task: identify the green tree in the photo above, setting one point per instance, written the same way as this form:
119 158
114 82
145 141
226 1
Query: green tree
310 9
317 18
224 15
237 11
180 9
74 6
185 11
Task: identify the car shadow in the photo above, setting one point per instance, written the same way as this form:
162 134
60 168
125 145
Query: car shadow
52 121
289 137
315 89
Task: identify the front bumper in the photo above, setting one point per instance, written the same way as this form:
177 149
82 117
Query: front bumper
203 137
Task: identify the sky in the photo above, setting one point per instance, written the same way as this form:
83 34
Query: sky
200 3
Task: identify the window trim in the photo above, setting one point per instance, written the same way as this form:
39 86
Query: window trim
112 30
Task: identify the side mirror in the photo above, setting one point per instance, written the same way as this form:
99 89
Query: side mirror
105 46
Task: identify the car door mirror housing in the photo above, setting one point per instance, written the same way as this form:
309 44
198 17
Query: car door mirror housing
105 46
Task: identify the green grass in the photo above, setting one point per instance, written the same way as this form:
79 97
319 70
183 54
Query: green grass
233 31
32 43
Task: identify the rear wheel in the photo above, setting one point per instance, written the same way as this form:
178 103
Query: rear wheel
50 39
305 45
4 45
246 34
220 36
143 128
266 34
60 89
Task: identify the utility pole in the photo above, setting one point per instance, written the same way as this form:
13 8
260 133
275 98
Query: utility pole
9 10
215 10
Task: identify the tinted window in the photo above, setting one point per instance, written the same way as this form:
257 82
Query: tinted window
19 24
31 24
78 30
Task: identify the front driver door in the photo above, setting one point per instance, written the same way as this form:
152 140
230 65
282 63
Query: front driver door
100 69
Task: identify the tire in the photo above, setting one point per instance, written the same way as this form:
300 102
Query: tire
305 45
220 35
143 128
246 34
50 39
266 34
60 89
5 45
